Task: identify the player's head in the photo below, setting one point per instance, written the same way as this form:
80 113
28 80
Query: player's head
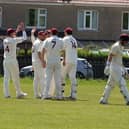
124 38
11 32
54 31
41 35
47 33
68 31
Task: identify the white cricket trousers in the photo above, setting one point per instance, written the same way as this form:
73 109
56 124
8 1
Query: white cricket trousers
39 79
116 77
53 70
70 70
11 71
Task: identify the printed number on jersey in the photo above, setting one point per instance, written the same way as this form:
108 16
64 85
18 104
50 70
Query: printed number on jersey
53 43
73 44
7 48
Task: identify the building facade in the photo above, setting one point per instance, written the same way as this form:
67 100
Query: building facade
90 19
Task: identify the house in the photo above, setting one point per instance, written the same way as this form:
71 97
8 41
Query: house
90 19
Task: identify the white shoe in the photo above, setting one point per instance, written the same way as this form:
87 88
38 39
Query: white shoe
22 95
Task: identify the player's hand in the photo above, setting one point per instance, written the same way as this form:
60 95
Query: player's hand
19 28
107 70
22 26
44 64
33 30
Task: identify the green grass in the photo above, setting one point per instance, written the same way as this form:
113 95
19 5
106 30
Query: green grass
85 113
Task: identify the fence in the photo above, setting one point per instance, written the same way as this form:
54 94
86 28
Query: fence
23 61
97 64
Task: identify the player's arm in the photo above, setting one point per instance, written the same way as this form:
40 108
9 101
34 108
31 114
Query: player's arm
63 52
43 57
40 56
43 52
109 59
21 27
112 53
32 35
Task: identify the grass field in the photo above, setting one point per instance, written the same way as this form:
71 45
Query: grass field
85 113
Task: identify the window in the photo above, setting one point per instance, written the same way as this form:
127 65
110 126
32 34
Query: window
125 21
36 17
87 20
0 16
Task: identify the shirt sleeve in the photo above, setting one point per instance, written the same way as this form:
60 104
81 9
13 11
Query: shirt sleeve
113 50
33 39
5 42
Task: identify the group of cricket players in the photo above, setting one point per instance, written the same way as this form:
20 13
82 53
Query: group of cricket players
53 58
50 69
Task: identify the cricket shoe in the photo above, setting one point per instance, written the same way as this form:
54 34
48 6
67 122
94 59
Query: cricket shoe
46 98
127 103
38 97
102 102
59 98
21 95
71 98
7 97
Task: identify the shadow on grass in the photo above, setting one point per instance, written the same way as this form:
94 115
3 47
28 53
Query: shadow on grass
116 104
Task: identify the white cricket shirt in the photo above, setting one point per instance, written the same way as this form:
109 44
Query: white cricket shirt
117 51
70 47
10 46
36 48
53 46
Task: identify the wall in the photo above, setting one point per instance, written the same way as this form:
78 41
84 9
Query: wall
61 16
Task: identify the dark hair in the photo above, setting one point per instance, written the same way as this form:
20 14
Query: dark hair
69 32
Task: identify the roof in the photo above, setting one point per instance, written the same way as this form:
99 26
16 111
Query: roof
124 3
103 2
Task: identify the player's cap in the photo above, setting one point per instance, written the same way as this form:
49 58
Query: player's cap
68 30
54 31
124 37
41 33
10 30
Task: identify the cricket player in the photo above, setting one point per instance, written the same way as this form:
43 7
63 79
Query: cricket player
52 84
39 71
51 48
70 61
115 69
10 64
